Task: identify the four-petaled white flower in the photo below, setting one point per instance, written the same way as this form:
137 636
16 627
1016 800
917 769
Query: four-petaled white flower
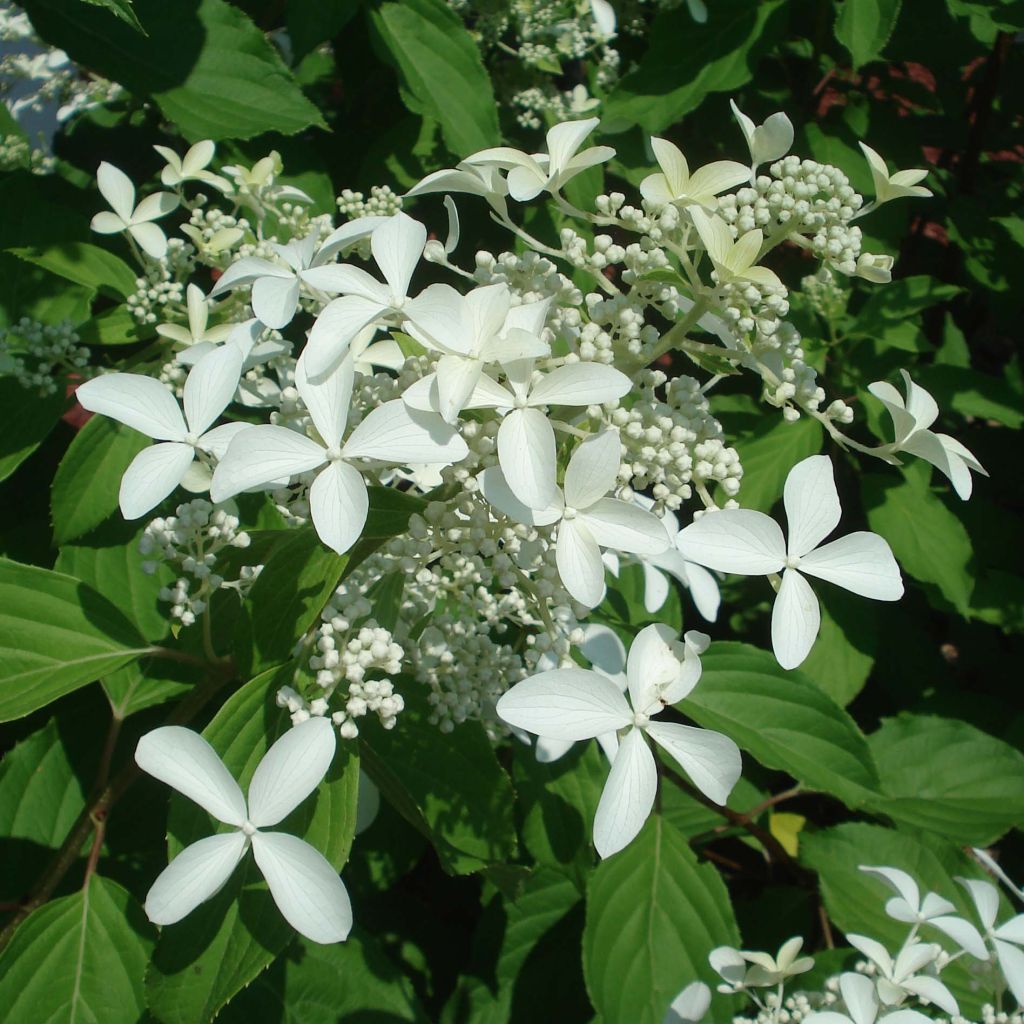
577 704
471 331
198 329
911 420
733 260
191 167
305 261
484 181
1006 939
116 187
750 543
933 910
895 979
896 185
767 142
397 245
144 404
306 888
741 969
528 176
338 499
587 520
862 1006
675 184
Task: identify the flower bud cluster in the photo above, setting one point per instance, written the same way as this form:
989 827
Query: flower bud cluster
383 202
39 356
162 289
191 542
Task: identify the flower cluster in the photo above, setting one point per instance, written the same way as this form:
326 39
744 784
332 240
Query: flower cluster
39 355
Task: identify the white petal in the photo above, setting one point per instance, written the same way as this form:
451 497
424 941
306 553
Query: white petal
309 893
489 395
549 750
457 378
796 619
673 165
159 204
139 402
487 308
338 505
652 664
986 899
116 187
151 239
580 384
152 475
691 1005
711 760
707 181
565 704
920 403
394 433
290 770
859 995
812 503
348 234
275 299
873 950
438 319
773 139
900 881
210 386
196 874
579 563
655 189
333 330
262 454
593 469
528 316
656 586
183 760
526 183
247 270
1011 960
397 246
623 526
566 138
628 795
903 423
704 591
496 490
860 562
933 991
714 233
734 540
107 223
218 440
328 400
604 650
526 452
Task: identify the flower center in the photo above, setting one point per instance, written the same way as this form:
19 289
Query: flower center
192 439
569 512
248 827
520 402
333 454
640 719
792 561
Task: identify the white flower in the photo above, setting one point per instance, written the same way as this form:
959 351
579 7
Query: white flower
276 286
396 244
862 1007
874 268
144 404
588 521
752 544
675 184
767 142
338 499
741 969
306 889
485 181
896 979
115 186
896 185
471 331
528 176
198 316
1006 939
577 704
933 910
604 17
701 584
191 167
911 420
690 1006
734 261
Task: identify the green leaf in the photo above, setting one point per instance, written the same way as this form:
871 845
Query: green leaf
296 582
221 946
928 540
449 787
123 9
864 27
79 958
84 264
844 653
971 393
114 326
719 56
440 65
389 512
769 455
353 980
88 479
146 683
945 776
783 720
312 22
26 419
653 916
892 305
209 68
40 798
56 635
